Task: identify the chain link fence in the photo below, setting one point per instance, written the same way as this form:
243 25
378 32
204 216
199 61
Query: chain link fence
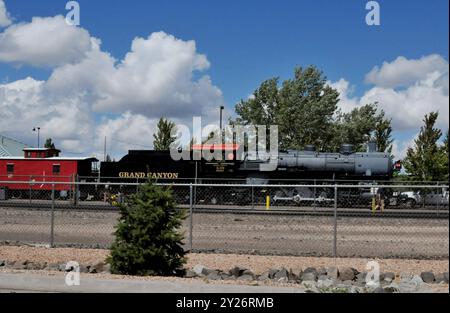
309 219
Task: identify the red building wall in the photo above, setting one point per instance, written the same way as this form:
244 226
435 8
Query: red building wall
39 171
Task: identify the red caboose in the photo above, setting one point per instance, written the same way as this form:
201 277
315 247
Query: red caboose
38 167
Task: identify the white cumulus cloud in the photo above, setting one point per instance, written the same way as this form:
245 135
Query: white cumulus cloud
47 41
90 94
403 72
426 90
5 20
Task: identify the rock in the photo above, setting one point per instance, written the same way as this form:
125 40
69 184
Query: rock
225 276
272 272
248 272
347 273
84 268
20 265
324 283
372 286
281 274
412 285
361 278
106 269
406 276
190 274
2 263
36 266
389 277
356 289
96 268
237 271
264 276
322 277
214 276
391 288
321 271
309 287
198 269
439 278
340 288
427 277
292 277
309 276
378 290
246 277
446 277
333 273
52 267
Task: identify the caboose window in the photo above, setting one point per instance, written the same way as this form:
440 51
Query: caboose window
10 168
56 168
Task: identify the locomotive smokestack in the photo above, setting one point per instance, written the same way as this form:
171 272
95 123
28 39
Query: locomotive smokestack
347 148
372 147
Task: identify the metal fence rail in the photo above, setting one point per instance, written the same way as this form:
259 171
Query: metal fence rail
407 221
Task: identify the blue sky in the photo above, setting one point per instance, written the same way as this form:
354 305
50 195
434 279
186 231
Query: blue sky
249 41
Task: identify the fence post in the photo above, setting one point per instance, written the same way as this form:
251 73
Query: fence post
253 197
335 223
191 215
52 222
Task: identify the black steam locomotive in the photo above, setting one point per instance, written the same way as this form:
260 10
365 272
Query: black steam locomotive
238 167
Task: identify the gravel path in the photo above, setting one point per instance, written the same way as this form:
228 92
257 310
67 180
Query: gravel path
256 263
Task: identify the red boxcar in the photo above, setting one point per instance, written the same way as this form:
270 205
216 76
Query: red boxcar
40 166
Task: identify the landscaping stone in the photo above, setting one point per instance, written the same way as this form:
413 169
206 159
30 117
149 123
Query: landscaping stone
214 275
237 271
333 273
84 268
20 265
264 276
107 269
36 266
389 277
281 274
391 288
347 273
324 283
292 277
321 271
246 277
361 277
52 267
446 277
427 277
190 274
439 278
309 276
198 269
2 263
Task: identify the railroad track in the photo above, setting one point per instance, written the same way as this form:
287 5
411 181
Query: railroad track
430 213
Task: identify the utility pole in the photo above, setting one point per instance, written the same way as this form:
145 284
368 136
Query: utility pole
38 131
104 151
221 128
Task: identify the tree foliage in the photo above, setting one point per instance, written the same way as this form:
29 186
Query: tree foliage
163 139
426 159
305 109
147 237
49 144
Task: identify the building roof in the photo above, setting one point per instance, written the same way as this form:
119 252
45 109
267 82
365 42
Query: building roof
48 159
11 147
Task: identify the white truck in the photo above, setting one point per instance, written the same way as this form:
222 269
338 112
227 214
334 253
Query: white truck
435 197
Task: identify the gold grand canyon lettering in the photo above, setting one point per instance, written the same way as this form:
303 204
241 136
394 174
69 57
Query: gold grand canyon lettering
161 175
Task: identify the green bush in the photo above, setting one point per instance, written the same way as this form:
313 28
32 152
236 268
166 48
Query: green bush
147 238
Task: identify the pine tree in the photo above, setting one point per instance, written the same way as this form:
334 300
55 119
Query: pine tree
148 240
163 139
424 160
